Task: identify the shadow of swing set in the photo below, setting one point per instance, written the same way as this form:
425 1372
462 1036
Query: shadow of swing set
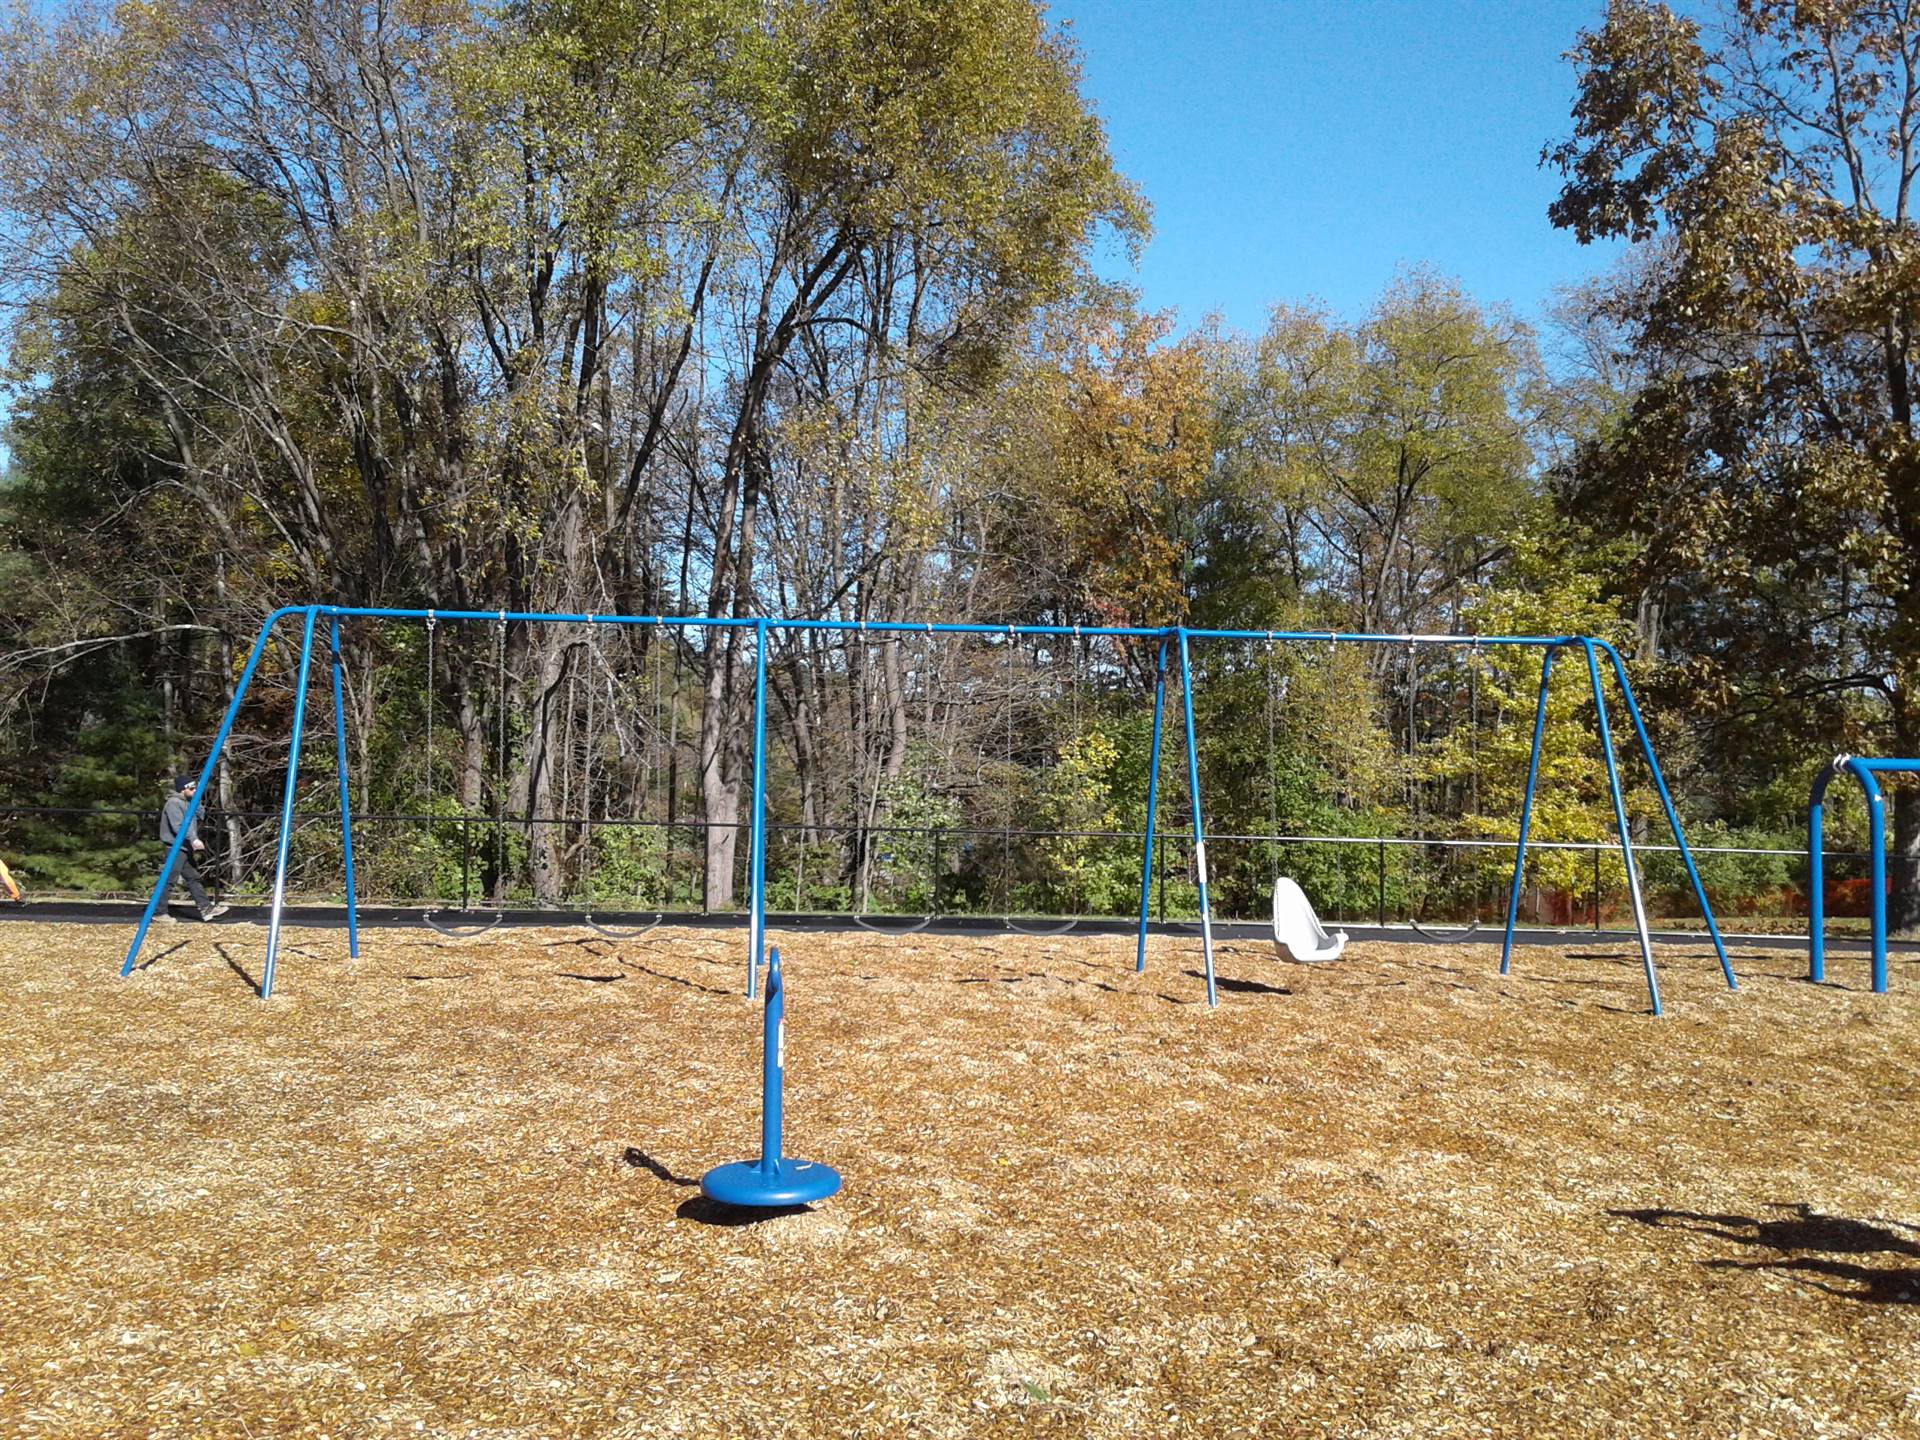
1173 642
774 1181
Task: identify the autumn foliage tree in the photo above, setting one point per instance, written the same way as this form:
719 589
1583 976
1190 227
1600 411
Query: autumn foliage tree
1769 462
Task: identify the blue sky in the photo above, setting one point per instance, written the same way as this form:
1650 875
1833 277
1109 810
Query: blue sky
1304 149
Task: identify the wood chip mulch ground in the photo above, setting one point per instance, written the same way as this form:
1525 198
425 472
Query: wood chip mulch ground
450 1189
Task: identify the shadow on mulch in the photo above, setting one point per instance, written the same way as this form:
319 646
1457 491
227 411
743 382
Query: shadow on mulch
639 1159
1006 979
1802 1228
595 979
1239 987
220 949
704 1211
673 979
152 961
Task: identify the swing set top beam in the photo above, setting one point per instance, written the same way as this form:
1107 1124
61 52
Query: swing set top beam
929 627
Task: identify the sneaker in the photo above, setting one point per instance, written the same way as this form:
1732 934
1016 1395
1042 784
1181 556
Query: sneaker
163 918
215 913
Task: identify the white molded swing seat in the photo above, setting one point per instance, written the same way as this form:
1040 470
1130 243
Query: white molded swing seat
1298 934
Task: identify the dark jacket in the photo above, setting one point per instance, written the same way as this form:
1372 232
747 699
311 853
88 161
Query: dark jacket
171 814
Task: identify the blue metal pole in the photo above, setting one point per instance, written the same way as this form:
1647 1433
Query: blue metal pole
286 803
346 802
773 1181
1340 637
1153 804
1816 881
1877 830
1673 816
206 778
1199 825
1866 771
709 622
1526 810
915 627
1620 819
773 1071
757 928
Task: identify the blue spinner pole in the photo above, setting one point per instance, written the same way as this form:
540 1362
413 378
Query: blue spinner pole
1816 880
1153 803
1526 810
346 802
1620 820
757 872
286 803
206 778
773 1181
1673 816
1199 825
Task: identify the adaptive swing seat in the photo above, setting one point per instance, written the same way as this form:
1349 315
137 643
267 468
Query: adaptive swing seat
1298 934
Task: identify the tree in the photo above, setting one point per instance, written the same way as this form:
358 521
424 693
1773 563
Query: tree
1378 464
1769 458
533 308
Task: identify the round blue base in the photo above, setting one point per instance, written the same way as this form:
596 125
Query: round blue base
795 1182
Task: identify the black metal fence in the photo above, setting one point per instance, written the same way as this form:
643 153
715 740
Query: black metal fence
616 864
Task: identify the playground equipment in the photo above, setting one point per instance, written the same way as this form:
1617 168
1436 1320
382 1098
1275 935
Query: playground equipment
586 847
775 1180
1298 934
897 924
1039 928
1419 921
462 929
1174 640
1863 770
1590 648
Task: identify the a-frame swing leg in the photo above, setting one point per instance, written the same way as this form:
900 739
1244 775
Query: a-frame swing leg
346 802
286 805
1526 809
1153 805
1673 817
1626 836
200 790
1199 824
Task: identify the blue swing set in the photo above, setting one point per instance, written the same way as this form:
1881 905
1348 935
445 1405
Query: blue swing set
1172 641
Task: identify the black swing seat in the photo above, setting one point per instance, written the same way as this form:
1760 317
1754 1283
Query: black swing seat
1060 927
894 924
1446 932
610 933
431 919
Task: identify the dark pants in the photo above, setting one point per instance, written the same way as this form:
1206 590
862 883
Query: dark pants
184 871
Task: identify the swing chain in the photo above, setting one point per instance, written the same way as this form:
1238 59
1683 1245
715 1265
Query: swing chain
426 768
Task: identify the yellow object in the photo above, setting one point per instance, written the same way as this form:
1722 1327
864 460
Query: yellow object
9 887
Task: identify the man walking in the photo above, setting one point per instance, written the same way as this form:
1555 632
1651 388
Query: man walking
172 815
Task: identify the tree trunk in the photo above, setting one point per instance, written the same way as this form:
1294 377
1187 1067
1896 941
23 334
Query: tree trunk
547 651
720 752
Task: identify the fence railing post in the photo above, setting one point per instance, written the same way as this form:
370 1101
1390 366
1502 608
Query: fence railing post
1160 868
1596 890
1380 870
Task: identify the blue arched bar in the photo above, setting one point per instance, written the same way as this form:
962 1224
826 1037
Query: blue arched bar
1863 770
